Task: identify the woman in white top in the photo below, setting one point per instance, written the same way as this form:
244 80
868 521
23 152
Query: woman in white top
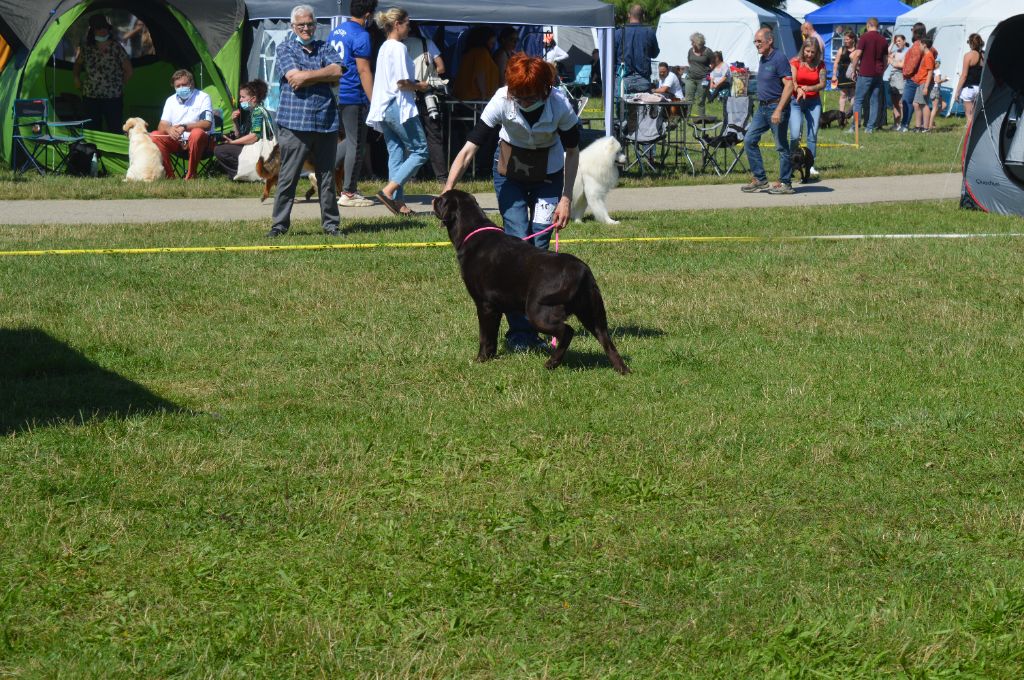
718 79
393 109
535 166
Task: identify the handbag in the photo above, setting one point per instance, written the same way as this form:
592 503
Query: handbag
522 165
251 153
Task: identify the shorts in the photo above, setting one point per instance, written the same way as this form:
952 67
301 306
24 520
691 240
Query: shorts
920 96
969 93
897 82
848 90
936 93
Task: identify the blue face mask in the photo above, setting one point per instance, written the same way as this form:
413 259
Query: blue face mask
245 106
532 107
304 41
183 92
102 38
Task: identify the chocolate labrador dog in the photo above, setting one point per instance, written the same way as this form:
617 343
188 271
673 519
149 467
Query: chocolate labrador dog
505 274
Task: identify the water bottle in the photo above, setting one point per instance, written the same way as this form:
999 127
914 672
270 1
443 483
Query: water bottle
94 166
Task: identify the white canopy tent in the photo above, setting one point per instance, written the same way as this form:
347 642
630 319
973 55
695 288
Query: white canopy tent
953 21
727 25
798 8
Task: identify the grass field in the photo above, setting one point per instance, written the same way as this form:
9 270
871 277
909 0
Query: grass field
287 464
881 154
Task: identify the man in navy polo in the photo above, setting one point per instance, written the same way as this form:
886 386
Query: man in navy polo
774 87
307 120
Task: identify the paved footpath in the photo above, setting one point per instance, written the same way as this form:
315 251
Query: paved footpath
707 197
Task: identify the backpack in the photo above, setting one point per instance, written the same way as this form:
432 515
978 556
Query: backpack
79 158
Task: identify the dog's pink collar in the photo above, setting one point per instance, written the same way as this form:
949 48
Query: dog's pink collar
478 230
525 238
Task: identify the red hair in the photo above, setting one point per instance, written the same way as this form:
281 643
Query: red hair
527 76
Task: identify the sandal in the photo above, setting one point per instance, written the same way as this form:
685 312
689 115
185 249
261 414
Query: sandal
389 203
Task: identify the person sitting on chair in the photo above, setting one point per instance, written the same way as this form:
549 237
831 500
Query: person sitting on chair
553 54
719 80
184 124
248 121
668 83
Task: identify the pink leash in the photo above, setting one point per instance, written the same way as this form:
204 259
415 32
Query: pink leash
554 341
525 238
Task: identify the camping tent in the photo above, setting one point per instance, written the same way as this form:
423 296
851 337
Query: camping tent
952 21
798 9
993 154
201 35
727 25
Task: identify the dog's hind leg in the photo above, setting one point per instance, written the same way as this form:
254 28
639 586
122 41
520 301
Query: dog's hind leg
550 320
590 311
597 205
489 318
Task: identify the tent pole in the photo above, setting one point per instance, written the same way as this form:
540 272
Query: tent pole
608 77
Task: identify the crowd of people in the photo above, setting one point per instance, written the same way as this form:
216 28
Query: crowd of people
868 71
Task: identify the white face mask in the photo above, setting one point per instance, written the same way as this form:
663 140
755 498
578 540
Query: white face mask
531 107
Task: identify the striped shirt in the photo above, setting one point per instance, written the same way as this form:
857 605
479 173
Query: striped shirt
313 108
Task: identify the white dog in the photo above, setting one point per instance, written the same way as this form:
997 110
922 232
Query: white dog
144 161
597 175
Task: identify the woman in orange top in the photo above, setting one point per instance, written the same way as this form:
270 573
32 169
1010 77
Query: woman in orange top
477 79
809 81
923 78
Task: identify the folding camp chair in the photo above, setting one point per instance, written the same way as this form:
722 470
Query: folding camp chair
207 164
34 136
722 142
644 128
581 83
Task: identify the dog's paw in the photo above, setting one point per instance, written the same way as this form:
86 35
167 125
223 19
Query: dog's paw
611 221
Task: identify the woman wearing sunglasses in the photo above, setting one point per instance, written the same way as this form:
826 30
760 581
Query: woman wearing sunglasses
535 164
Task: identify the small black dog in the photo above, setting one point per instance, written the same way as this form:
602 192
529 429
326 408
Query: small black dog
504 274
802 161
833 116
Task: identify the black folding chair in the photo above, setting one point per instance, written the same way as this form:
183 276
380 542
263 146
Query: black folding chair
207 164
722 141
35 136
644 128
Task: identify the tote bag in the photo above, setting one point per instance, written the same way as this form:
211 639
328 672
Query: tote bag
261 148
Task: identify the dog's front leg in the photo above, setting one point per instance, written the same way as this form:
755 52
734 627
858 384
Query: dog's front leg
489 318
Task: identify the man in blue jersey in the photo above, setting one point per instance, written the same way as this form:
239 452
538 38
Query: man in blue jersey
352 42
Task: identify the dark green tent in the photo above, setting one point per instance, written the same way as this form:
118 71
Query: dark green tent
204 36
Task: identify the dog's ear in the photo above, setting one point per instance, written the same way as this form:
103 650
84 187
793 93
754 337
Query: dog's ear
442 208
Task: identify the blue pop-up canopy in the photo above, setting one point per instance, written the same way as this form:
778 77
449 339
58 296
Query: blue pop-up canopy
856 12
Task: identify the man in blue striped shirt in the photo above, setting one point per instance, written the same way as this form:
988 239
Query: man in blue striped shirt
307 120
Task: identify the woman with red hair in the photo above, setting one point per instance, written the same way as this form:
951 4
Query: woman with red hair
535 164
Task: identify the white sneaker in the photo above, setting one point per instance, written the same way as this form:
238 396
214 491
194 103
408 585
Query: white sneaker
354 200
812 172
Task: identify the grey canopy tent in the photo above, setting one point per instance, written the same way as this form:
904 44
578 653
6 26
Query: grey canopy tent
993 154
579 13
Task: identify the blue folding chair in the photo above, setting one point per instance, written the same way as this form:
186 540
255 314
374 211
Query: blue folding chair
581 82
34 136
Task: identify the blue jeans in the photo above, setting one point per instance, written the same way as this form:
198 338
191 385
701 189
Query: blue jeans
868 86
909 90
518 203
806 110
407 147
760 124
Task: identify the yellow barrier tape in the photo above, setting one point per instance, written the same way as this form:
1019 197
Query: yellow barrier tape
442 244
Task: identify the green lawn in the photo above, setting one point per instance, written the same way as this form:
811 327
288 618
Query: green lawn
880 154
287 464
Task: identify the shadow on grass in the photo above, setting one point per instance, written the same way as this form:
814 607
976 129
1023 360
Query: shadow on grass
627 331
587 359
45 382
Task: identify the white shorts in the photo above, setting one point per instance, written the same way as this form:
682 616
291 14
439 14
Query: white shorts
969 94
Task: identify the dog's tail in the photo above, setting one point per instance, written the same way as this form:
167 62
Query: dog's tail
588 306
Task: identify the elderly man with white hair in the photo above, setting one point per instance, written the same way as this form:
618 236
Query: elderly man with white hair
700 59
307 120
